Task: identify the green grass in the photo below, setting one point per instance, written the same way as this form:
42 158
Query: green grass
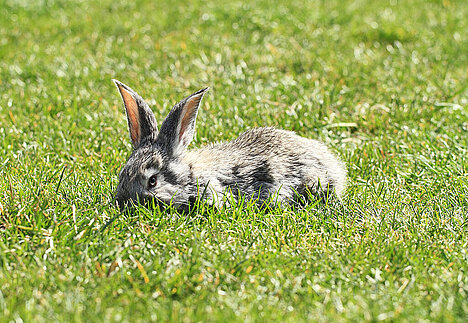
383 83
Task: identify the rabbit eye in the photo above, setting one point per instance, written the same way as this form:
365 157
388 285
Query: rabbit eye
152 181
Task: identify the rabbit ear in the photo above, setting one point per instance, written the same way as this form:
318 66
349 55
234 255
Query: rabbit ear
178 127
141 120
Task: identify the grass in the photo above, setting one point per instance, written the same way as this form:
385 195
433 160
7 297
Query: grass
383 83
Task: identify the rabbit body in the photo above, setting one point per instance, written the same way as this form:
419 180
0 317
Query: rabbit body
266 162
260 164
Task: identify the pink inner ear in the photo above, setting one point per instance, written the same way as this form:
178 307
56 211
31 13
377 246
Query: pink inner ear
132 113
190 109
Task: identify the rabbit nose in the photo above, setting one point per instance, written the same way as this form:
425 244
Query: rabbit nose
123 199
121 202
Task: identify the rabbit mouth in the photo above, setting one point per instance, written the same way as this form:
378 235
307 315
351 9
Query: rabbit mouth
182 207
147 202
153 200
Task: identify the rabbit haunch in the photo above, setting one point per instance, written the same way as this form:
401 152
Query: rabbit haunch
261 163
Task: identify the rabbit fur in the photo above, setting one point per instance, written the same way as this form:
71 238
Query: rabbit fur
260 164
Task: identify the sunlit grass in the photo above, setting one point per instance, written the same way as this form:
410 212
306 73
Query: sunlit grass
382 83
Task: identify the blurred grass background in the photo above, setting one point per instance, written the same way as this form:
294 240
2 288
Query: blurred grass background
383 83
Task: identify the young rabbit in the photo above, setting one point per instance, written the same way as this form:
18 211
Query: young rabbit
261 163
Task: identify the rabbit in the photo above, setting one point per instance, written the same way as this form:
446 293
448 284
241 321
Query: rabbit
261 163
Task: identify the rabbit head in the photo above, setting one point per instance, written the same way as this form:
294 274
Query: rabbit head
154 170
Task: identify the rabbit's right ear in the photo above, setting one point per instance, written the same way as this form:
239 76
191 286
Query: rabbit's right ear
179 126
141 120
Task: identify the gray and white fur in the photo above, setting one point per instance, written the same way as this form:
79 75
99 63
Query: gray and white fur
262 163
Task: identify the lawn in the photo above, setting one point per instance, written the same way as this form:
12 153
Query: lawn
382 83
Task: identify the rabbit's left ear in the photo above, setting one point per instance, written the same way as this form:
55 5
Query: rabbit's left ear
179 126
141 121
